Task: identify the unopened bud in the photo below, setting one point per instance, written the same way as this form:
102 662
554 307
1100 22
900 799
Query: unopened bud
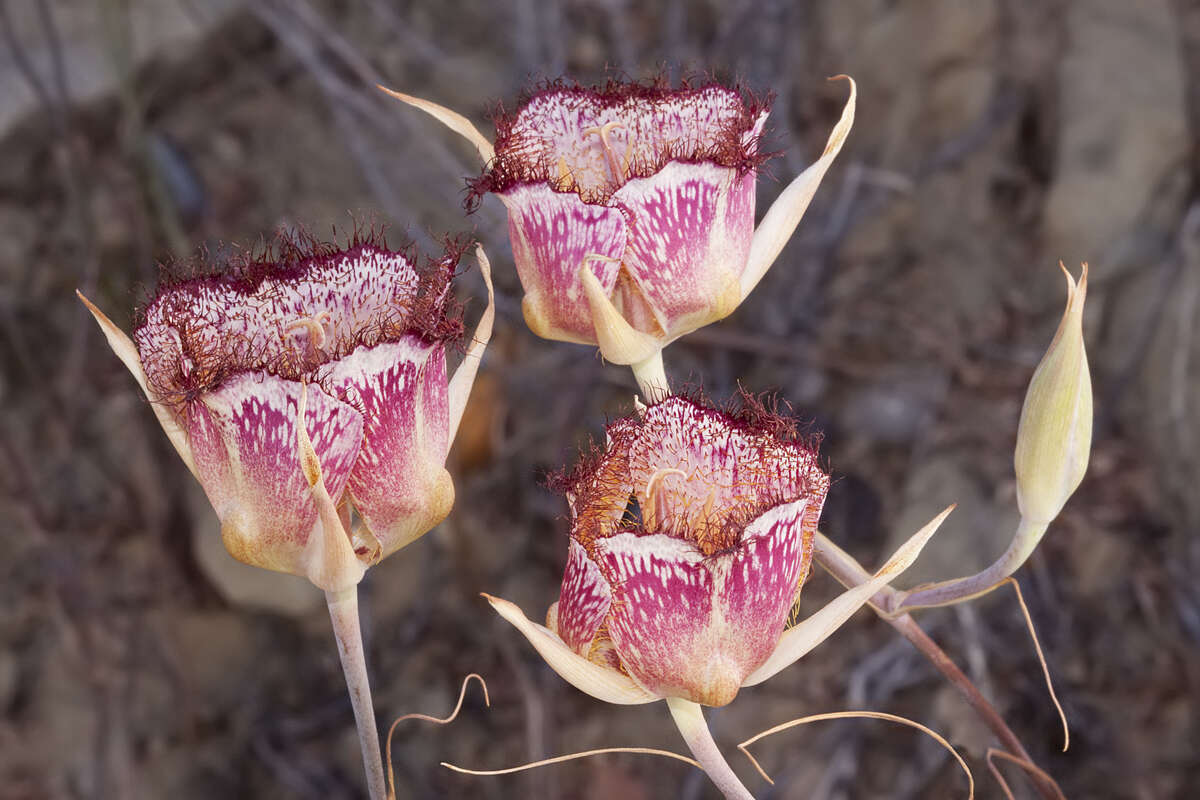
1055 434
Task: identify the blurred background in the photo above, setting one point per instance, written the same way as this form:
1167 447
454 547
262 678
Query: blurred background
137 660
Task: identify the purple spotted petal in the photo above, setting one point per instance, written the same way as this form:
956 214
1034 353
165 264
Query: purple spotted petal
399 483
551 234
690 229
583 602
243 437
691 626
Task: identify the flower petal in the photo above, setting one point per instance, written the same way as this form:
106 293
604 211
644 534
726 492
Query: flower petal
583 601
552 233
806 635
690 229
244 439
602 683
399 483
784 215
729 468
691 626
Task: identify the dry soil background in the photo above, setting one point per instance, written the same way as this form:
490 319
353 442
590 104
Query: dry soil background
904 319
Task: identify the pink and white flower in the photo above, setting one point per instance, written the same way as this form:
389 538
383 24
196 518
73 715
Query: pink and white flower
631 207
298 386
691 537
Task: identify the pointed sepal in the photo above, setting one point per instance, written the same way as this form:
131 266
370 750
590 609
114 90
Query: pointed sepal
451 119
464 377
784 215
125 350
803 637
602 683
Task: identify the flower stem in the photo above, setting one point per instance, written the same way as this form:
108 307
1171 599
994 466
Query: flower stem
652 378
842 566
954 591
343 612
689 718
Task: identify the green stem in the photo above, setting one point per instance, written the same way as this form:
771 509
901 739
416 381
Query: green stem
689 718
343 612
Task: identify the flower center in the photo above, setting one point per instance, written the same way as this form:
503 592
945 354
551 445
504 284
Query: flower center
312 329
655 510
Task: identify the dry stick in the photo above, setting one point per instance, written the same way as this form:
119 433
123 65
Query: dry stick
861 715
1028 766
462 693
849 572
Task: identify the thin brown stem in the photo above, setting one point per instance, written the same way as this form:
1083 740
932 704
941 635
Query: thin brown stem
849 572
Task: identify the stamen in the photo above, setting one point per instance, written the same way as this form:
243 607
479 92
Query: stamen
650 509
614 164
314 327
566 181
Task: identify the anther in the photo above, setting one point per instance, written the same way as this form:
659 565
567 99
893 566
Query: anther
314 326
650 509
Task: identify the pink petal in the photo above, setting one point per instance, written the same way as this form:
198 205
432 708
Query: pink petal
551 233
690 230
399 483
583 602
243 437
694 627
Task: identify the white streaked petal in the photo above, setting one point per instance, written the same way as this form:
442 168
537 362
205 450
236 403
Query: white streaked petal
797 641
589 677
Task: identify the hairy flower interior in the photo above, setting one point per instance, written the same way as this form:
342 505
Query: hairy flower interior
592 141
287 317
692 473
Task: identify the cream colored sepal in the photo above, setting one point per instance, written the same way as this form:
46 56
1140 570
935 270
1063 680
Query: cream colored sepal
620 342
125 349
459 389
451 119
800 639
784 215
602 683
329 559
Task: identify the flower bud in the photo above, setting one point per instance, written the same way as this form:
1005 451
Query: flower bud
1055 433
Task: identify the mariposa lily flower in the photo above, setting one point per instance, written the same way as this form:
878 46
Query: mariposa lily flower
631 207
691 537
355 339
